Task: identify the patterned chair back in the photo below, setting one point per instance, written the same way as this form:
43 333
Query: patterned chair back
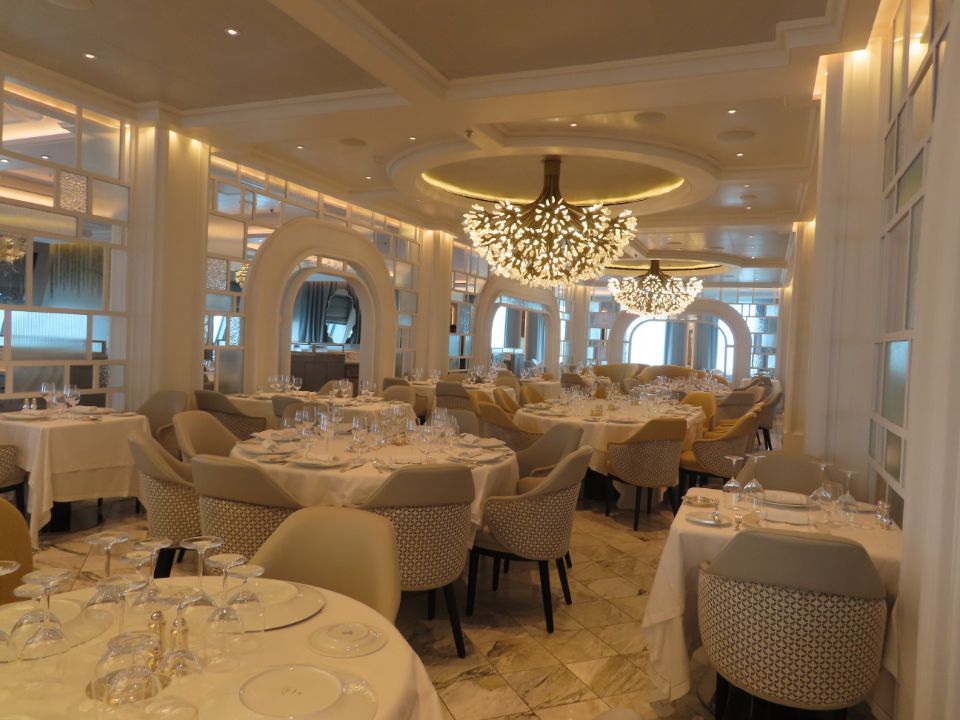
651 457
239 502
537 524
220 407
430 511
166 490
769 413
453 396
200 433
712 454
392 381
495 423
399 392
793 618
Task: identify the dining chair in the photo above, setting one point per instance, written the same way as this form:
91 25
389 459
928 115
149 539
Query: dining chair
453 396
281 402
200 432
649 459
14 545
571 380
159 410
719 379
761 381
331 385
390 382
530 395
504 401
467 421
495 423
508 380
706 401
401 393
768 416
239 502
534 526
13 478
430 511
219 406
721 426
548 376
735 405
791 620
628 384
167 492
784 471
708 458
352 552
536 461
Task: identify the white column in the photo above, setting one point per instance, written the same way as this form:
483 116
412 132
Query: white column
578 329
433 314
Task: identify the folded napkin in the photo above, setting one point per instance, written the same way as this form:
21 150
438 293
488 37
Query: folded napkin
792 517
785 498
468 439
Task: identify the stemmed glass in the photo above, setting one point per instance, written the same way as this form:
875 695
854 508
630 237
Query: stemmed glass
47 390
112 593
7 651
48 639
106 541
224 562
326 425
753 490
202 544
71 395
848 503
423 437
359 432
732 489
297 383
126 653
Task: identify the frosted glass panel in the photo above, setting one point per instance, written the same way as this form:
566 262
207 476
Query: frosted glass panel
893 455
100 144
26 182
895 367
38 220
109 337
102 232
230 371
224 237
38 335
67 275
109 200
29 379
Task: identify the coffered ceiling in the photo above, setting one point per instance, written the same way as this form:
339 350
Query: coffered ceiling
702 108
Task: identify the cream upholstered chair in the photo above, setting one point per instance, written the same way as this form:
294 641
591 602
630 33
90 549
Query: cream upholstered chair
369 572
721 426
421 403
390 382
334 385
768 416
534 526
649 459
159 410
239 502
792 619
403 394
529 395
570 380
220 407
708 458
14 545
199 433
495 423
735 405
548 376
539 459
508 380
281 402
453 396
12 477
706 401
166 489
430 511
782 470
503 400
467 421
628 384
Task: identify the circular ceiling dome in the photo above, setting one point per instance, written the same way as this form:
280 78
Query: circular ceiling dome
684 268
736 135
584 180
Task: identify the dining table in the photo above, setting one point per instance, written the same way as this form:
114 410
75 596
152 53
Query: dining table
369 407
670 624
80 454
428 390
288 669
315 473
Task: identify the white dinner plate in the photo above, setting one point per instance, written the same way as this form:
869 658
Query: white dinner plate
787 505
700 501
400 463
349 639
90 410
127 413
299 692
625 421
327 462
258 450
23 417
710 519
283 603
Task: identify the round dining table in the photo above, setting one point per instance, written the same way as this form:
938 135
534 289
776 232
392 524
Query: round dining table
261 405
392 679
351 481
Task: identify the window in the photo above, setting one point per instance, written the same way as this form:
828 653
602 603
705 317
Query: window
468 278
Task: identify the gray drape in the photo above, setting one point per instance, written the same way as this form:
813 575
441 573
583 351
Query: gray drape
311 312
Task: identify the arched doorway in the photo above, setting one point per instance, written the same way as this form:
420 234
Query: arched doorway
286 260
699 341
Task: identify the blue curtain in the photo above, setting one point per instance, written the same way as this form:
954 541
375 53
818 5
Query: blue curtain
310 312
675 343
705 344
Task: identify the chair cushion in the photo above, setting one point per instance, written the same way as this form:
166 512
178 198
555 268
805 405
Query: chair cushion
526 484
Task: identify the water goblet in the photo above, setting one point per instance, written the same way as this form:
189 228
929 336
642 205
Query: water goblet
288 422
8 652
732 489
123 652
47 390
106 541
47 638
297 383
202 544
128 693
244 598
847 502
223 562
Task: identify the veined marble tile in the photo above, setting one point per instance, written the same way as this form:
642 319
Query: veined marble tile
534 624
519 653
589 570
625 638
614 587
546 687
634 606
611 676
480 695
597 613
586 710
573 645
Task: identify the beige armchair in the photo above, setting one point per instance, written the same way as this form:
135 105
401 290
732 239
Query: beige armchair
453 396
220 407
281 402
735 405
421 403
390 382
14 545
13 478
334 385
708 458
159 410
504 401
199 433
782 470
239 502
533 527
467 421
768 416
403 394
430 511
529 395
571 380
508 380
369 572
706 401
649 459
167 492
495 423
791 619
539 459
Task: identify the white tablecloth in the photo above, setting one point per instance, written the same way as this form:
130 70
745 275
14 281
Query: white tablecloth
73 459
549 389
395 673
670 624
262 406
599 432
313 486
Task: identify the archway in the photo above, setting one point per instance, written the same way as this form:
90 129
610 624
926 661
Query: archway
272 290
700 306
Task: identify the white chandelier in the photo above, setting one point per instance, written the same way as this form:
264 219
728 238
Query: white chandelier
548 242
654 294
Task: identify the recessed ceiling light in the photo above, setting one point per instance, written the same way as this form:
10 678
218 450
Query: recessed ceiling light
232 32
412 138
746 185
573 124
750 237
299 147
732 111
90 56
753 257
44 157
4 160
368 177
739 154
749 207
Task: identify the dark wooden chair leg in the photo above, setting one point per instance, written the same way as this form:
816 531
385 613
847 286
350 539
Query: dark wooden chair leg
649 500
636 508
496 573
564 584
674 499
431 604
450 597
767 440
164 562
545 593
183 551
137 507
506 566
472 581
568 559
20 497
606 497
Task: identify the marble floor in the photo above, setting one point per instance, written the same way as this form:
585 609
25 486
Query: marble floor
514 669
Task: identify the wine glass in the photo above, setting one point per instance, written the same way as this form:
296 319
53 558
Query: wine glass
48 637
71 395
124 652
423 438
202 544
297 383
245 600
47 390
127 693
326 425
753 490
8 652
732 489
223 562
106 541
847 502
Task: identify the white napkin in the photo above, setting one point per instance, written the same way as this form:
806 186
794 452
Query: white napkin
793 517
785 498
468 439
